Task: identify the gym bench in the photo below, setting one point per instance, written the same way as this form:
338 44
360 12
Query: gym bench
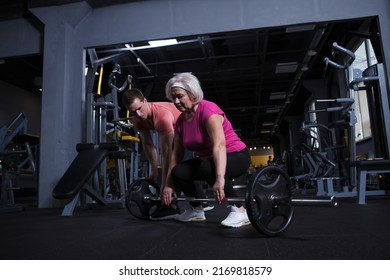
365 167
74 180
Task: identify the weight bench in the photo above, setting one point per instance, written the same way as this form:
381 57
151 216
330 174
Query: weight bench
74 180
365 167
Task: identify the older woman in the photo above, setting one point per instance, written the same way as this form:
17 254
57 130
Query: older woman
221 155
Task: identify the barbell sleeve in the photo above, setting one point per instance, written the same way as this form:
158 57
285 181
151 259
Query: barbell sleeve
319 201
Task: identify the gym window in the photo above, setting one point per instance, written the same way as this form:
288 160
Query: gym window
365 57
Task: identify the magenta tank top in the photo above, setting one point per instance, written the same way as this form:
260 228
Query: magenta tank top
194 132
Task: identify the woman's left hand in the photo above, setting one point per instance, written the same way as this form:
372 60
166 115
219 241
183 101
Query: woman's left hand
166 195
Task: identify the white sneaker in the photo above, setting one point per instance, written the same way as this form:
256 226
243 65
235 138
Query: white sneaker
236 218
191 215
207 206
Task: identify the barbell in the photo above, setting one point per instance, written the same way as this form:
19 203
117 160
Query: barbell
269 200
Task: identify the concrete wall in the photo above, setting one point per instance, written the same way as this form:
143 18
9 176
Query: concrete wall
13 101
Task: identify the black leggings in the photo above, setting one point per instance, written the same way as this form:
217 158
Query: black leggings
185 173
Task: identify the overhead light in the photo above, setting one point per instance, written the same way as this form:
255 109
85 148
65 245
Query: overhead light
289 67
160 43
277 95
265 131
272 110
174 74
268 123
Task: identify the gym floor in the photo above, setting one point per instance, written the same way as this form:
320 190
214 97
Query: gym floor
346 232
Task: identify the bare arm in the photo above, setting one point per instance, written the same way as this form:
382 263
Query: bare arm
150 153
177 156
166 146
215 130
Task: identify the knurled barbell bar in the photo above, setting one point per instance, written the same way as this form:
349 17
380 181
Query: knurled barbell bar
269 200
330 201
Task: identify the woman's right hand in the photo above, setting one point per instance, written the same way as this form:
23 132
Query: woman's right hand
218 189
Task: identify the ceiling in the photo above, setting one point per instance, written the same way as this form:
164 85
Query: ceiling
255 76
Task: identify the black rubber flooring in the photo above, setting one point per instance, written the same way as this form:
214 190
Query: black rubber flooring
346 232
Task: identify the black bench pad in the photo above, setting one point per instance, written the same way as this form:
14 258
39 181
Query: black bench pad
80 170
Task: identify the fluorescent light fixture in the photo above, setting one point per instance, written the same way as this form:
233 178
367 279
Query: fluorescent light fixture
160 43
265 131
268 123
272 110
174 74
277 95
289 67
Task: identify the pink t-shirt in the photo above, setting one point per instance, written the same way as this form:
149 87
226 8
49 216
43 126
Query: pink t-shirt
194 132
164 116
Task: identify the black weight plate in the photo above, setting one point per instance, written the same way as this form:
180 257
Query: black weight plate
266 217
135 201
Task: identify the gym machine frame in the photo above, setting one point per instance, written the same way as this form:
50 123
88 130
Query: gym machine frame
83 174
360 168
97 127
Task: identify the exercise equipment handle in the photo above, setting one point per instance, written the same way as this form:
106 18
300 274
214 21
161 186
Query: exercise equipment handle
331 109
338 48
112 79
308 125
338 100
347 103
360 80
